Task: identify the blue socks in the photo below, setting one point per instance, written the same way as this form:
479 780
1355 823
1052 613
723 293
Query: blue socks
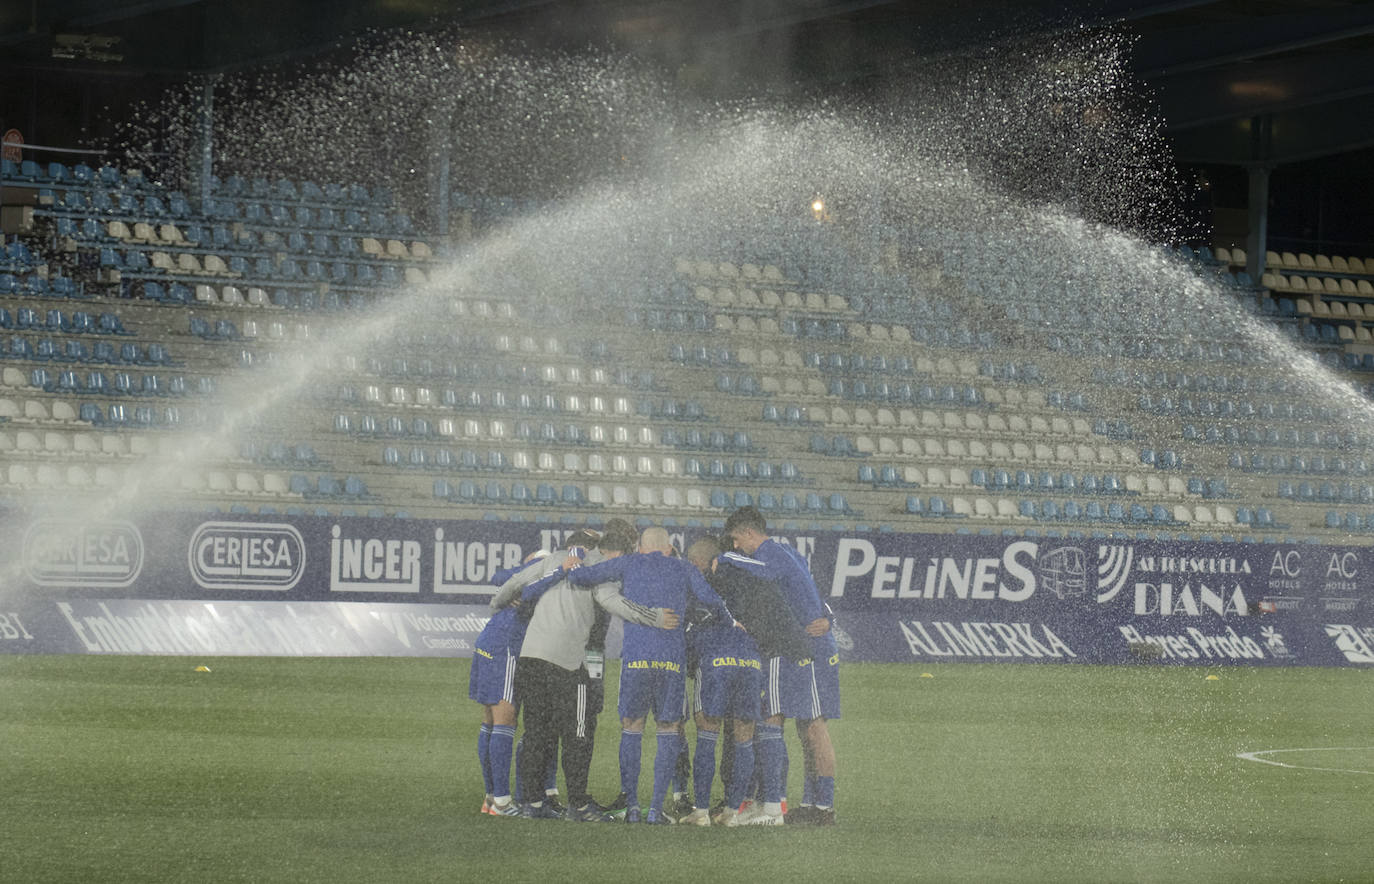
704 767
741 774
809 785
770 756
631 747
500 748
825 792
483 757
786 768
665 763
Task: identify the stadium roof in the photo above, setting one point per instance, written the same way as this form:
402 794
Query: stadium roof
1213 67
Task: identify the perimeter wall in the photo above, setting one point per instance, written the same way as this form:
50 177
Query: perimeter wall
177 583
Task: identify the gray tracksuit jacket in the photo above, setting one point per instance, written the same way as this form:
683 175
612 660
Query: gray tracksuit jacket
564 615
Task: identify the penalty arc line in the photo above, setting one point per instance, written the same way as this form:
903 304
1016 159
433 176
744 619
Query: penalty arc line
1255 756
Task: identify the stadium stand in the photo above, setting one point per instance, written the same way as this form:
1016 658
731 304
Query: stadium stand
127 314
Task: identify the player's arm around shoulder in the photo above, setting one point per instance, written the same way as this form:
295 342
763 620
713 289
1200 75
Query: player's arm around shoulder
608 596
701 589
510 590
602 572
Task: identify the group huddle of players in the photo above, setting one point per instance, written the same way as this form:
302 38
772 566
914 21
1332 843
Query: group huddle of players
740 613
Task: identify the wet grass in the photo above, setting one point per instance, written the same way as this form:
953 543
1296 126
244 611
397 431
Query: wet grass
142 769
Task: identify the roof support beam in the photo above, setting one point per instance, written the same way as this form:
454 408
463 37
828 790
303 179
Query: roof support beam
1295 136
1166 53
1213 96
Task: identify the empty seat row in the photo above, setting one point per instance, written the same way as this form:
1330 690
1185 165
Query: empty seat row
57 172
283 215
745 298
1346 492
1349 521
401 396
118 415
54 320
501 460
965 449
506 371
1305 261
327 486
1274 437
1088 512
36 284
728 270
1194 381
1187 406
119 383
76 350
1318 286
106 476
1280 462
691 439
277 453
995 423
494 491
305 190
232 296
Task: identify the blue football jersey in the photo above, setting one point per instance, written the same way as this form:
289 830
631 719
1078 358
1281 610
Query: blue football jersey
505 630
654 580
787 568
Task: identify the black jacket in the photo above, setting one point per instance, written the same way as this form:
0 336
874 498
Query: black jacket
760 607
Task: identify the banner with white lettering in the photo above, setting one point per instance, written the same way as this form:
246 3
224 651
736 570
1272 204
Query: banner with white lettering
151 583
288 629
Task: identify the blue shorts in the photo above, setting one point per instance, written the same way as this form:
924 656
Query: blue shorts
653 686
803 691
729 686
492 678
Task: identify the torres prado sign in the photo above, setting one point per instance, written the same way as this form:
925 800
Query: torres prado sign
166 583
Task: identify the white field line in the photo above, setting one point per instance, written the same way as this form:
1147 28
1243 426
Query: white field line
1255 756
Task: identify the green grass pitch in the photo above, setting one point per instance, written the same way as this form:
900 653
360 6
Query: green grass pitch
340 770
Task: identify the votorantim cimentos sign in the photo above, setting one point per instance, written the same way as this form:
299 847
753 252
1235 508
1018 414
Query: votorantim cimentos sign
171 583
